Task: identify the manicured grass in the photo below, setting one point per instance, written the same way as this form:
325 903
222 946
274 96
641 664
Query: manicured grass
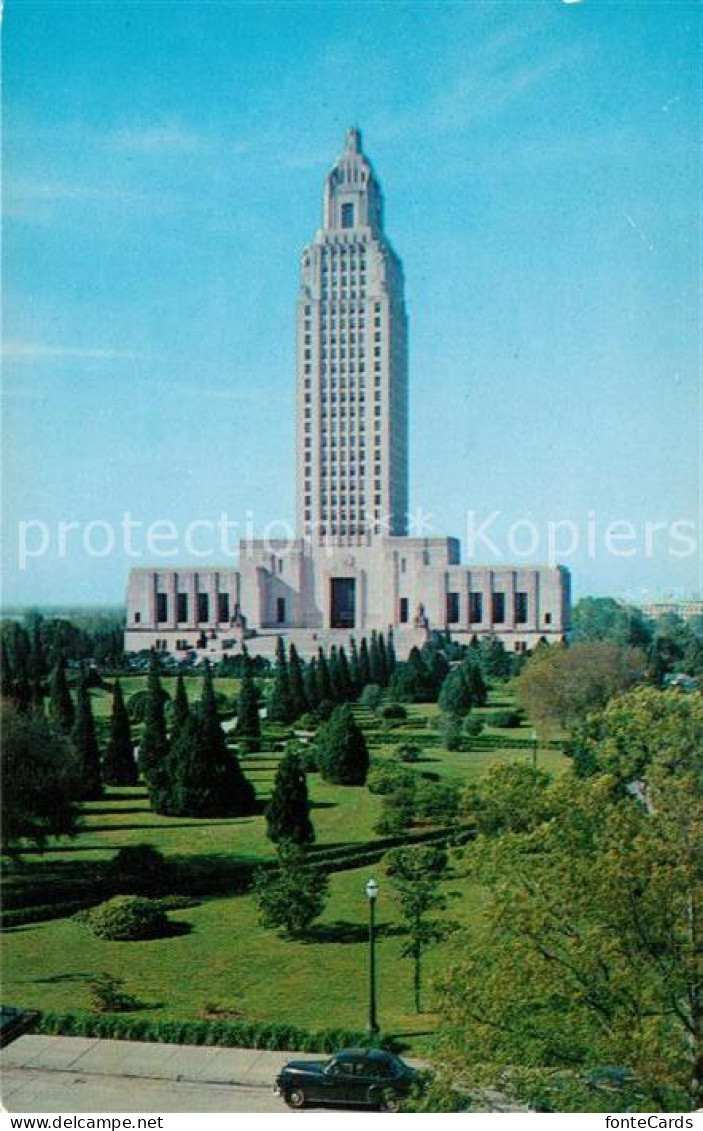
226 957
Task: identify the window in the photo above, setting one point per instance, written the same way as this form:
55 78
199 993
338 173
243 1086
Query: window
547 618
521 608
347 215
280 610
475 608
403 610
452 608
137 618
182 607
498 608
203 607
223 607
161 607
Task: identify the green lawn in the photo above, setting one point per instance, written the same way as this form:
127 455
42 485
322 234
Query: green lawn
226 957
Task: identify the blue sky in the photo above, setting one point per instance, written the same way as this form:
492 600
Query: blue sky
164 166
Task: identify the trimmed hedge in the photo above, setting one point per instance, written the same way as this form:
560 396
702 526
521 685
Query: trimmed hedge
225 1034
21 915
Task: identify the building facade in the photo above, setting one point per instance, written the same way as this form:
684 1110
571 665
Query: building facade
353 569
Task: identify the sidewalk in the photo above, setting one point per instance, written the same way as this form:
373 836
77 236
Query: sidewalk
94 1056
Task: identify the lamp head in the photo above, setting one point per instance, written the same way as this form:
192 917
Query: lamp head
372 889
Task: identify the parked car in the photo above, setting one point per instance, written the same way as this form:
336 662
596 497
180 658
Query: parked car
367 1077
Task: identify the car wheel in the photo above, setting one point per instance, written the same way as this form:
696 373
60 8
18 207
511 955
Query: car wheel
388 1101
295 1098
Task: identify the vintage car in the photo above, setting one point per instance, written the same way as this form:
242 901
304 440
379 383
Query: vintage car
367 1077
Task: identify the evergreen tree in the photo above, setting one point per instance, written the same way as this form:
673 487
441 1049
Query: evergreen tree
345 679
292 895
376 664
202 777
6 674
344 755
364 665
299 700
390 653
288 812
61 709
475 680
37 661
85 744
153 747
280 707
119 767
312 690
336 676
383 660
324 682
248 721
354 669
181 709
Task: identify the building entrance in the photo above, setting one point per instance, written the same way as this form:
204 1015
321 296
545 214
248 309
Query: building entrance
343 602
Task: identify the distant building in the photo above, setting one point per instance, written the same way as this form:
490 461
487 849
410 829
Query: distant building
686 608
353 567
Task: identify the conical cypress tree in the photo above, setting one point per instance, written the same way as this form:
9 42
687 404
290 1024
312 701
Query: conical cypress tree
345 679
383 660
299 700
119 767
85 744
375 661
153 746
354 673
344 755
364 665
181 709
288 812
202 776
324 682
280 706
312 690
248 721
390 654
335 676
61 710
6 673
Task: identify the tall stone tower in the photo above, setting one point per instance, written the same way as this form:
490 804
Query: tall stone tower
352 427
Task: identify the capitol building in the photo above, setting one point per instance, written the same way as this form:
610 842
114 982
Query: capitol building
353 567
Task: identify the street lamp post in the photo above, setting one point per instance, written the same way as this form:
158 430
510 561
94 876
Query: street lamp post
372 895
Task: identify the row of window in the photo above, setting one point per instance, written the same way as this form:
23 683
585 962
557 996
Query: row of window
202 608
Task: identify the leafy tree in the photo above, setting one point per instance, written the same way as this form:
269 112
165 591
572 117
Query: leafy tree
604 618
291 896
288 812
344 755
153 746
437 801
510 798
61 710
85 743
388 777
181 708
299 700
559 686
416 874
397 809
41 778
280 707
599 907
248 720
119 766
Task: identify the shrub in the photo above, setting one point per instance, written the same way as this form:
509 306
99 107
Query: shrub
125 918
397 810
371 696
325 709
393 711
137 869
451 733
437 802
388 777
407 752
309 721
310 759
107 994
507 720
177 902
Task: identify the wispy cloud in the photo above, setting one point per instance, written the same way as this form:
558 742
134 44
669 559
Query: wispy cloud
157 137
35 351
